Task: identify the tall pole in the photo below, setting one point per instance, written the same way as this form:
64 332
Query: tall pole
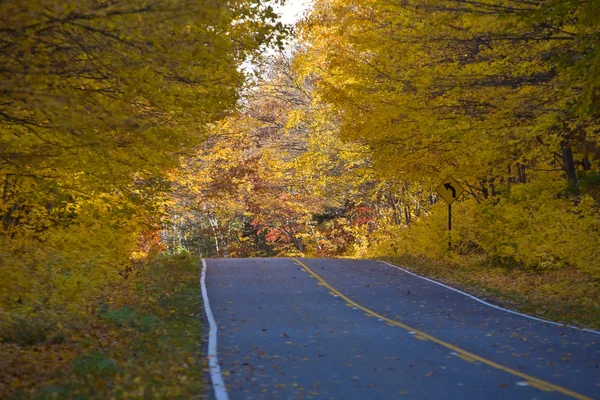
450 227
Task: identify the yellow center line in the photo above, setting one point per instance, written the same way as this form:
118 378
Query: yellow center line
464 354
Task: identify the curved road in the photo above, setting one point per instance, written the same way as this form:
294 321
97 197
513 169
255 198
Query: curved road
361 329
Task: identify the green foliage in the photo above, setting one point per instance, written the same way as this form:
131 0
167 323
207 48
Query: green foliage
121 317
94 364
27 331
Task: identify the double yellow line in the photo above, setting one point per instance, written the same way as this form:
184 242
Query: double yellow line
464 354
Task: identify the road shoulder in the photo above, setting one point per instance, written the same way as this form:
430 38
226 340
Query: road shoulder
564 296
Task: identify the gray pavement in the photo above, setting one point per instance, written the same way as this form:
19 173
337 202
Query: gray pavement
285 335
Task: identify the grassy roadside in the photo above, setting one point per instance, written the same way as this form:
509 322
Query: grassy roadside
145 345
565 295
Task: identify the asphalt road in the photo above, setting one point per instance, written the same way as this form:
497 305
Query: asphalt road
349 329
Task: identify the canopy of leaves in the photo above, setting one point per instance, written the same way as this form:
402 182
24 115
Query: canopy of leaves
501 94
463 87
98 100
256 186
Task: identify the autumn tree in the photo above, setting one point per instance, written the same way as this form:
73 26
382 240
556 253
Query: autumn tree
276 177
442 87
494 93
99 99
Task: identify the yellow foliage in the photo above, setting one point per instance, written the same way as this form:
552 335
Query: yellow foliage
98 101
64 272
537 228
529 226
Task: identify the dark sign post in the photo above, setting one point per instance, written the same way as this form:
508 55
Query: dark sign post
450 227
450 190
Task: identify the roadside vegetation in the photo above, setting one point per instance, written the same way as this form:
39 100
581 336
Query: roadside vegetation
97 105
143 343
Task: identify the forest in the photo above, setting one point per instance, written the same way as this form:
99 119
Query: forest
341 141
133 129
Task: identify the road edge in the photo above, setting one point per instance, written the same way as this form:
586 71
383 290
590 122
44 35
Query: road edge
213 362
489 304
529 379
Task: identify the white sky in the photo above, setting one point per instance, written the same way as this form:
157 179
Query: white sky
290 13
292 10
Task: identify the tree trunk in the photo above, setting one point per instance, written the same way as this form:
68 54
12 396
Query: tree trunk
569 163
407 216
587 164
485 189
521 173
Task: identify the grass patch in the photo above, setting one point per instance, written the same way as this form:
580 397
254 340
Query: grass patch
564 295
145 344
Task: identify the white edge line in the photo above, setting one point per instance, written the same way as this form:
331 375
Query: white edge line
213 362
489 304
